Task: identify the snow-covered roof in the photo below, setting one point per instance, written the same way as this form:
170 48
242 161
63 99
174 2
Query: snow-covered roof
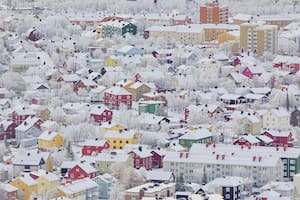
70 77
250 138
98 110
77 186
47 175
239 153
120 134
261 90
276 133
264 138
48 135
27 179
96 143
158 175
28 123
150 188
226 181
8 187
196 135
87 167
230 96
142 153
117 91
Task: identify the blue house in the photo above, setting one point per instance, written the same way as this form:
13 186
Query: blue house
105 182
129 51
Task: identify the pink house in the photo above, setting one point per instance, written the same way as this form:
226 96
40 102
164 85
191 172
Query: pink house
252 71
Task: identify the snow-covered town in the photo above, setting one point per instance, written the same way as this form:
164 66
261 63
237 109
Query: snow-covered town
150 100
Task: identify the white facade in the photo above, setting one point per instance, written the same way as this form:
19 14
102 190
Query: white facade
276 120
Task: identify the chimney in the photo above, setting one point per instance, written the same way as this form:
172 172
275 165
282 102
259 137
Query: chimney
141 194
140 148
254 158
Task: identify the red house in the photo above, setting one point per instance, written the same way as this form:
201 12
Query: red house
86 84
101 114
157 158
141 158
69 78
82 170
115 96
20 114
7 129
280 138
252 71
91 147
247 140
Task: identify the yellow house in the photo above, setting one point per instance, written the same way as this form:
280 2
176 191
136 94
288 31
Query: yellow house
27 187
50 140
229 36
118 139
47 183
112 61
112 127
125 83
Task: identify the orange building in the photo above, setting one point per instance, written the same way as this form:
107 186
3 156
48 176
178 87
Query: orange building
213 13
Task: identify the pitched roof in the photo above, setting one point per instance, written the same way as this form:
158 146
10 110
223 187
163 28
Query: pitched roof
48 135
117 91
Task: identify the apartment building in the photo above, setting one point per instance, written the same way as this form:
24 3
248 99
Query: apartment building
259 38
213 13
193 166
289 156
185 34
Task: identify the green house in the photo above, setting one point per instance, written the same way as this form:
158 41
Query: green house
152 107
116 27
195 136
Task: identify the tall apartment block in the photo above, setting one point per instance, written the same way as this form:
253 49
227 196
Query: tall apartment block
213 13
259 38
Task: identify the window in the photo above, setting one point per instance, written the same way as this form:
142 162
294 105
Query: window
77 170
292 161
227 189
127 142
128 97
114 141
